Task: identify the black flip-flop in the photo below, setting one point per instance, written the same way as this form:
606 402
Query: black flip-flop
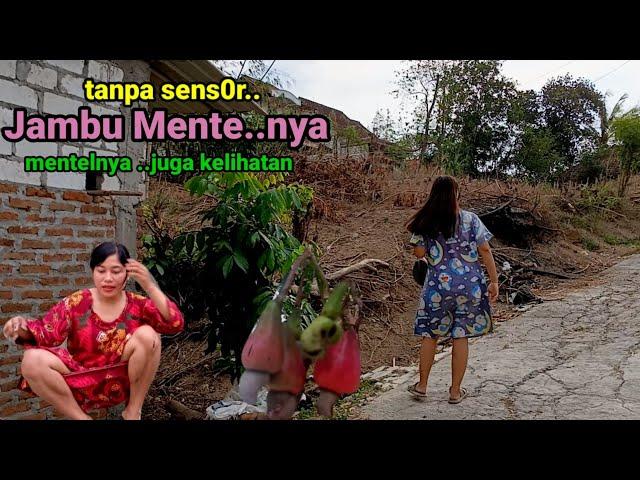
413 391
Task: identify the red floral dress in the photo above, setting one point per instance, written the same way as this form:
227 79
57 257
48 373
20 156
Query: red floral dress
98 378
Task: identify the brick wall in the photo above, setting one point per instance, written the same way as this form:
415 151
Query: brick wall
46 236
55 87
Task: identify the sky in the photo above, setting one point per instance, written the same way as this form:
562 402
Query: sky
360 87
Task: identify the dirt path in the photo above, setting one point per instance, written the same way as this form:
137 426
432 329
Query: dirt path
578 358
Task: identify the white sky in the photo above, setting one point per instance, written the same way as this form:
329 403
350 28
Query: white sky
360 87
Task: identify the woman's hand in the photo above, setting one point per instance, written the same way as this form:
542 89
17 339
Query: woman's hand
15 328
140 274
493 291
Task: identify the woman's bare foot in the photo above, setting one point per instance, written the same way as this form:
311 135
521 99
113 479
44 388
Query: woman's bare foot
129 415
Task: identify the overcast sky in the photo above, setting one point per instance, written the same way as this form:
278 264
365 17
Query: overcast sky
360 87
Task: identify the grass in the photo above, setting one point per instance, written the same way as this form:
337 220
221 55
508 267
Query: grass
342 406
613 239
585 222
590 244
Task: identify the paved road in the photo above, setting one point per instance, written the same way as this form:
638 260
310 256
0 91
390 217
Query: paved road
578 358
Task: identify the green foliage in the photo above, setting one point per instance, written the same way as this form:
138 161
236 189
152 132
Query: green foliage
598 197
590 244
626 131
226 268
473 120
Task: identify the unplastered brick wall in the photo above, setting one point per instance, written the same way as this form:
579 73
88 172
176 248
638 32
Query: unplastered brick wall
53 87
46 236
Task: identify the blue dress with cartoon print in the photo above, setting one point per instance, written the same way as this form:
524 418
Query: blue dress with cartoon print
454 300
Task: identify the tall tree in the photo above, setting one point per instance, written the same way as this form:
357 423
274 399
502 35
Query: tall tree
423 81
478 104
570 108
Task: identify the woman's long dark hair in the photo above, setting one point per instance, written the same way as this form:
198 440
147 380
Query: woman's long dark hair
439 213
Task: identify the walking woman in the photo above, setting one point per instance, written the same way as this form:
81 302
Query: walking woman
455 297
113 342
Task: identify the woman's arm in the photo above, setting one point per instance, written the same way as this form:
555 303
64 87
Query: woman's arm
50 331
159 312
487 259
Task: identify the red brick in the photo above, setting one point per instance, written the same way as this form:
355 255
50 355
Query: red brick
6 294
92 233
56 206
37 218
4 374
17 282
57 257
103 222
72 269
66 293
75 221
5 242
39 192
54 281
24 204
19 256
77 197
36 244
15 307
34 269
21 229
6 188
7 386
83 257
73 245
6 268
10 360
35 416
8 216
23 395
3 320
56 232
41 294
44 404
13 409
5 398
93 209
82 282
44 307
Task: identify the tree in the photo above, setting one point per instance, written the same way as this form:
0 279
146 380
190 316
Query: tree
626 131
536 158
478 103
570 108
424 81
607 118
383 127
226 269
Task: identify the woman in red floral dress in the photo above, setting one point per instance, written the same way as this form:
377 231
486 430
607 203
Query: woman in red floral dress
113 342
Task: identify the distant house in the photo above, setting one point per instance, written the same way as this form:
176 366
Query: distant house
349 138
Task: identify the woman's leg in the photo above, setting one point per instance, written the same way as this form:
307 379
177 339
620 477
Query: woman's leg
43 371
459 358
427 354
142 351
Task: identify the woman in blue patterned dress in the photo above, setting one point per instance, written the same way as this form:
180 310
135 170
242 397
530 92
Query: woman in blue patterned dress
455 297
